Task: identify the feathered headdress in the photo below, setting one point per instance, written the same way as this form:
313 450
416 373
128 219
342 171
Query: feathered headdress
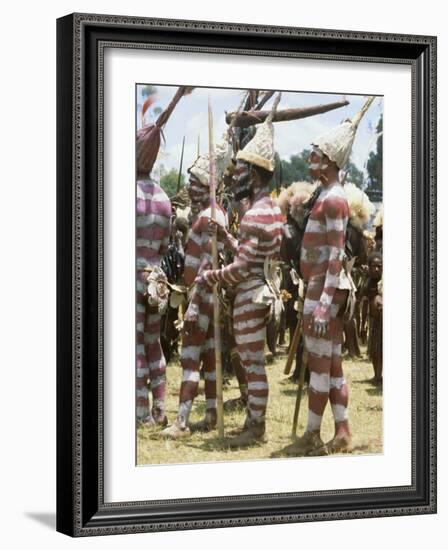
359 205
378 221
293 199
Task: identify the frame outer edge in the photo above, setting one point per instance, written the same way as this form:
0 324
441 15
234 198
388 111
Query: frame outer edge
64 106
71 516
78 255
433 272
269 30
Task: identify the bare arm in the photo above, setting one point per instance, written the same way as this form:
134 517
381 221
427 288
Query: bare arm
223 235
193 252
246 251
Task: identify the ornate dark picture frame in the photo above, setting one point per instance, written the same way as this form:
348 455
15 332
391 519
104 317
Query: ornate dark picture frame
81 509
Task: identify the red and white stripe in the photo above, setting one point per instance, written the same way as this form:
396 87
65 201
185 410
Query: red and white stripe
322 254
153 214
260 237
198 343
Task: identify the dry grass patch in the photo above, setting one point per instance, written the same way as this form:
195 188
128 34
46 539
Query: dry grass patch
365 413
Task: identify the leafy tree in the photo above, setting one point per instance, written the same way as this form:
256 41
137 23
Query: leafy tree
168 182
354 174
296 169
375 161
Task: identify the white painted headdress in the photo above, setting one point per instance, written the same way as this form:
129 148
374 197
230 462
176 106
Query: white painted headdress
200 169
337 143
260 149
201 166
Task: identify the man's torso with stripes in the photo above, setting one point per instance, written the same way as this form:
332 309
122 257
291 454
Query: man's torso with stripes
323 243
260 236
153 222
198 252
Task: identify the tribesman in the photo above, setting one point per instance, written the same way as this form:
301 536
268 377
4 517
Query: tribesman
153 220
322 267
260 236
198 344
374 295
153 234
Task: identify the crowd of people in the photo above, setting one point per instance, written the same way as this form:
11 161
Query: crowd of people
309 244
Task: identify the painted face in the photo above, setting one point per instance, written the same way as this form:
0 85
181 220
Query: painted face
241 180
376 269
316 163
197 192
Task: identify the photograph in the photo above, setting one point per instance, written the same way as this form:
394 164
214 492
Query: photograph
258 273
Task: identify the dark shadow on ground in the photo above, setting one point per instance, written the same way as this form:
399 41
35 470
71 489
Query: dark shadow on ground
376 391
48 519
283 453
293 391
366 381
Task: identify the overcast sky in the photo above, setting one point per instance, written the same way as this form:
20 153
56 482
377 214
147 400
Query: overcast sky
189 119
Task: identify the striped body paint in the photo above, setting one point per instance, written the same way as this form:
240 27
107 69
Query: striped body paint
198 342
199 249
324 360
153 216
323 243
321 263
260 238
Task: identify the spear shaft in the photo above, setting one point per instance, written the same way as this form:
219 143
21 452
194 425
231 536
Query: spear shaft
180 166
216 303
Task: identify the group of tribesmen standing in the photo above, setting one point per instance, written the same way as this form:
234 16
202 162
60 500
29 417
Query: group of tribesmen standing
303 258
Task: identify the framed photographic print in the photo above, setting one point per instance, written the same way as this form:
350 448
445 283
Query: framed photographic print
246 274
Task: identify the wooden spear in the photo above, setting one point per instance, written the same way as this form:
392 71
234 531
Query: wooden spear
300 385
295 340
298 330
216 303
249 118
180 167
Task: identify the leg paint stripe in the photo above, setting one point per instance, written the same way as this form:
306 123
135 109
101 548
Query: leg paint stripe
314 421
340 413
337 382
320 382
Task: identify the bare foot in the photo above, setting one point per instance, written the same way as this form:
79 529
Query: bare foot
340 444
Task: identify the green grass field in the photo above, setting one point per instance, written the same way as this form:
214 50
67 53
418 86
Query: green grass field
365 413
